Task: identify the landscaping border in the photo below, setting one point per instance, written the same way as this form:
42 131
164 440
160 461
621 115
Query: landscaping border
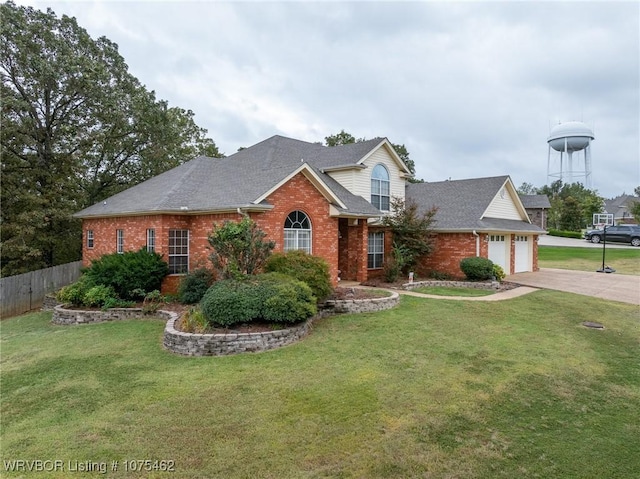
455 284
369 305
224 344
66 317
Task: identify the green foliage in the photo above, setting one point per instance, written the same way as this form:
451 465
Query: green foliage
476 268
194 285
412 231
153 301
498 272
440 275
572 205
231 301
193 321
131 274
74 293
565 234
239 248
77 127
635 210
269 297
98 295
288 300
313 270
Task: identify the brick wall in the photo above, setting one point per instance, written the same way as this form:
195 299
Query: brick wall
449 249
297 194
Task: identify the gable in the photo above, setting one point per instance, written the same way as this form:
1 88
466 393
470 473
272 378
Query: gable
506 204
358 178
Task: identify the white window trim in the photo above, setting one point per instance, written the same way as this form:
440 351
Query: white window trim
380 182
151 240
375 253
297 236
120 241
90 239
181 255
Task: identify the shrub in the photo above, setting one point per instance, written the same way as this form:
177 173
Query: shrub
498 272
152 302
287 299
231 301
476 268
128 272
74 293
566 234
269 297
440 275
193 286
98 296
312 270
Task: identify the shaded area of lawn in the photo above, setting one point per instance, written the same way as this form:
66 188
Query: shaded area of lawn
433 388
624 261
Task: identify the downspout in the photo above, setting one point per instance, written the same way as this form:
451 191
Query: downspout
477 243
242 213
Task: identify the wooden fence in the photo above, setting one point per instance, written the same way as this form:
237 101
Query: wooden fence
24 292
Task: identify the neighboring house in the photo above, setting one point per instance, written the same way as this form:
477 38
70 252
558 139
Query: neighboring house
620 208
537 207
327 201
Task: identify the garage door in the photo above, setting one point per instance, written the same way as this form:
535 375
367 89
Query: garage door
498 251
523 262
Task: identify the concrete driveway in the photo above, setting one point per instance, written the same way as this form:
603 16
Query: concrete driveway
546 240
613 286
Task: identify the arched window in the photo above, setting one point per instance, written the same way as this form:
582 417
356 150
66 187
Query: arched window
297 232
380 188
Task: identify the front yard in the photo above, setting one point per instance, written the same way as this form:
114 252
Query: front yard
433 388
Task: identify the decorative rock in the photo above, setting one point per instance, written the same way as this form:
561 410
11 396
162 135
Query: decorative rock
361 305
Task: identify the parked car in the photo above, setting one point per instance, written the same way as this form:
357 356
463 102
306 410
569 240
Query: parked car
620 233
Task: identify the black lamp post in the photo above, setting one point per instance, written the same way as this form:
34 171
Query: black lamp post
605 269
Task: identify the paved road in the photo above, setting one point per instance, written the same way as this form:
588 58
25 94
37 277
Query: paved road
616 287
546 240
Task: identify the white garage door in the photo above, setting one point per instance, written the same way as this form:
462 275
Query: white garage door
523 262
498 251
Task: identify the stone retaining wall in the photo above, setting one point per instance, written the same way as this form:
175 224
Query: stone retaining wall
453 284
191 344
362 305
77 316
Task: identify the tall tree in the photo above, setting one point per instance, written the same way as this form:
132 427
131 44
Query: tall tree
344 138
76 128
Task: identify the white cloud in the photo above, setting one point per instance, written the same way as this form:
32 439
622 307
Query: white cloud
470 88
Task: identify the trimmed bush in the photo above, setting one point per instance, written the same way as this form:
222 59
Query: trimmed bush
128 272
194 285
287 299
476 268
269 297
312 270
99 295
566 234
231 301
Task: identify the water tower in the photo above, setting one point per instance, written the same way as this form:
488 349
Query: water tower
565 139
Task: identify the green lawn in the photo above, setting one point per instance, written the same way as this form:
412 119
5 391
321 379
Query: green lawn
433 388
624 261
453 291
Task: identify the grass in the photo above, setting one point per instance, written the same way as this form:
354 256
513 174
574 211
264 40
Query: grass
453 291
432 388
624 261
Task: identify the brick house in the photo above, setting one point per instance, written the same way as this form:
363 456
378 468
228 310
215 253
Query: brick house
327 201
537 207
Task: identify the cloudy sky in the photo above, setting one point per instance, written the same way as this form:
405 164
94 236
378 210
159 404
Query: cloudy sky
471 89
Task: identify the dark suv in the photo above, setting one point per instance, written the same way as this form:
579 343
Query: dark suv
620 233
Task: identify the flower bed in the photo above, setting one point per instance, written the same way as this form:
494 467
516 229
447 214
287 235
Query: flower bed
459 284
365 305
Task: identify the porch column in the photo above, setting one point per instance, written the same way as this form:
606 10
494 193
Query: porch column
361 231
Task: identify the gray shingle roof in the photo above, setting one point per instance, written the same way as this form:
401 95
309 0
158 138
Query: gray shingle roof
461 204
535 201
218 184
